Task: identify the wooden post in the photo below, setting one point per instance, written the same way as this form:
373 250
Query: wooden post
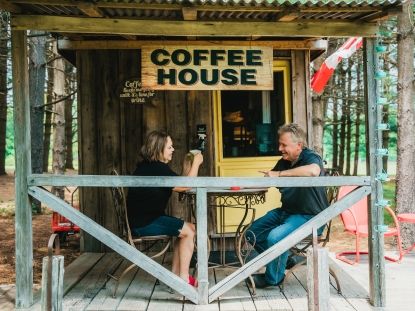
23 167
202 255
57 271
318 285
374 166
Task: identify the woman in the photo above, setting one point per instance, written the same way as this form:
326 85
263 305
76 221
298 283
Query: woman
146 206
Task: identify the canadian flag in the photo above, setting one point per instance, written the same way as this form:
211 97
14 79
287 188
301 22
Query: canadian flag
321 76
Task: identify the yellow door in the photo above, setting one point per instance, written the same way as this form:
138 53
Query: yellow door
246 123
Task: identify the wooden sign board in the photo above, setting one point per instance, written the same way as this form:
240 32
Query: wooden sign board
133 92
207 68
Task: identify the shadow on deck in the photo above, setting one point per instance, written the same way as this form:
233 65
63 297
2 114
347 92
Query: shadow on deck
87 287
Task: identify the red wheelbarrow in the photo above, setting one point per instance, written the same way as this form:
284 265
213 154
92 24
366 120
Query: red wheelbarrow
63 226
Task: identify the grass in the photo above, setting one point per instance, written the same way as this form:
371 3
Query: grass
389 194
7 209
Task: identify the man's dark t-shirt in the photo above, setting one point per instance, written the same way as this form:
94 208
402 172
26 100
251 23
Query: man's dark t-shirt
300 200
144 204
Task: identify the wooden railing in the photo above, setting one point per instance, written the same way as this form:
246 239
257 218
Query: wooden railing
203 294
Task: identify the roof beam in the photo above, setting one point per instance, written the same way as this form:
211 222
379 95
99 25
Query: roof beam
287 17
90 10
189 14
192 28
120 45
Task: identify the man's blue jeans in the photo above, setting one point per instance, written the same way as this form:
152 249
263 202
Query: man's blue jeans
269 230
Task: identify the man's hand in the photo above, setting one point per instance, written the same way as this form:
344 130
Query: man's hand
271 173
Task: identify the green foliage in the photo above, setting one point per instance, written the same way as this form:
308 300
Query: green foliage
9 134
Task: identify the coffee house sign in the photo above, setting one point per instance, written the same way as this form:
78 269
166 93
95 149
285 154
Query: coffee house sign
207 68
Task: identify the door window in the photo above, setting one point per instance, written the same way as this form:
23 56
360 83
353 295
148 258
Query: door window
250 120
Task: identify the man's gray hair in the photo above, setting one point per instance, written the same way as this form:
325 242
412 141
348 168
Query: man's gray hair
297 133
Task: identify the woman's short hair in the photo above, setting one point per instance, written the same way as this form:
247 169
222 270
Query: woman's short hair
297 133
153 147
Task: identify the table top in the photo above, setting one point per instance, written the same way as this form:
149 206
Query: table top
229 191
408 217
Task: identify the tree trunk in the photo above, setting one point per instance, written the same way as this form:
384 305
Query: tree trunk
37 72
48 119
359 95
343 103
69 117
59 146
318 113
4 37
335 127
348 118
405 177
385 110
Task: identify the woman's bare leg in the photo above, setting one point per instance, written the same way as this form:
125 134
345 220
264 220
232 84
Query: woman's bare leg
183 251
175 266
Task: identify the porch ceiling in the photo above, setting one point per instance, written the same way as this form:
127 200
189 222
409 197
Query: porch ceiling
273 19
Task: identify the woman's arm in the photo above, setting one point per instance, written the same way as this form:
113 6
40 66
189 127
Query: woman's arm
194 169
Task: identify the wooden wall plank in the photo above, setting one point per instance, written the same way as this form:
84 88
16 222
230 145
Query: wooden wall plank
176 126
309 106
154 114
107 130
200 111
88 145
131 117
299 97
23 167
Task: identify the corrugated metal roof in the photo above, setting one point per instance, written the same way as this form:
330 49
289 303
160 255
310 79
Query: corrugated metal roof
211 10
266 2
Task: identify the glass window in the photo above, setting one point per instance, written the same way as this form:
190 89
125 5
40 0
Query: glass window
250 120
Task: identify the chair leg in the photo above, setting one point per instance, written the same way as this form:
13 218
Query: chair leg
118 280
162 251
333 274
342 256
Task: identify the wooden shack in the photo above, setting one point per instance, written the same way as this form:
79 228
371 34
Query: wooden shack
106 41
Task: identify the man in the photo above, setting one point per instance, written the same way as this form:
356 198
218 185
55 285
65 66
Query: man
298 204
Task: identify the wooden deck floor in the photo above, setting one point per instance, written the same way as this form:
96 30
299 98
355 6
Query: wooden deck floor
400 280
87 288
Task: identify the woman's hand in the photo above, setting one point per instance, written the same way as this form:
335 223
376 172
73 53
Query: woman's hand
198 159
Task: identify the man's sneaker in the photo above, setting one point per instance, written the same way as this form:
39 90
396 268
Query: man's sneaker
290 263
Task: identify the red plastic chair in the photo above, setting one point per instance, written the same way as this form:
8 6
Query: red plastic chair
355 221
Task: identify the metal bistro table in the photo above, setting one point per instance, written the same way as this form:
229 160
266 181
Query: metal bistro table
222 199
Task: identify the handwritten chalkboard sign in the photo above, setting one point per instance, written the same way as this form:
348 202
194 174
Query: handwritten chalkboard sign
133 92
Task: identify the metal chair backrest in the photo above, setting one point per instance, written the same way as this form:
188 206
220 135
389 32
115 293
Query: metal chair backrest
355 214
120 207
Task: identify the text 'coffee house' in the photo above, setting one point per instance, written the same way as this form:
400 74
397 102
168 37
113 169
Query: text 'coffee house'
207 68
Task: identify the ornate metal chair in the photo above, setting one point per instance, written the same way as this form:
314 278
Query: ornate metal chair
142 243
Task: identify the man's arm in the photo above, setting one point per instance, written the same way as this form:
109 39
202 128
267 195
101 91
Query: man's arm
310 170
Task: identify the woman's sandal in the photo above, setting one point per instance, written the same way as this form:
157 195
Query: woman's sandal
192 281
